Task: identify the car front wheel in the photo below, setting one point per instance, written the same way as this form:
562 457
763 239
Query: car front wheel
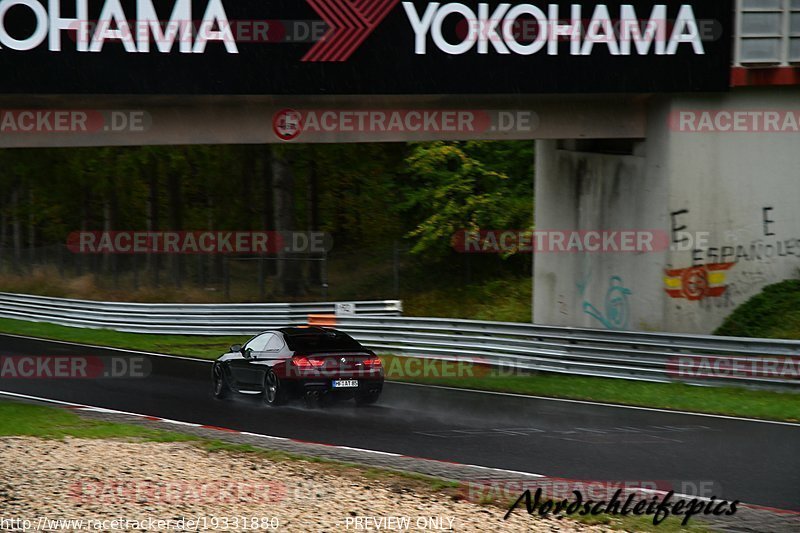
274 391
220 389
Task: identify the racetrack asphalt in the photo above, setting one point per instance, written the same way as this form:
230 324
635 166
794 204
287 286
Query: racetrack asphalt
736 459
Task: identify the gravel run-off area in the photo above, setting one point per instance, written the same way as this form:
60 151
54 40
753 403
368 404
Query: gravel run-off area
91 480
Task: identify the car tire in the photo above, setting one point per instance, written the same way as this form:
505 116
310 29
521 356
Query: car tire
367 398
274 391
220 389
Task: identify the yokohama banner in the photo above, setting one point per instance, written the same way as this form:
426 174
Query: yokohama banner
312 47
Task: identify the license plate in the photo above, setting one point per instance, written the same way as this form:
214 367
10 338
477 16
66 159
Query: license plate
345 383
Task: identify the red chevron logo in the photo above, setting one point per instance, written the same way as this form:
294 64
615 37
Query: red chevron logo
349 23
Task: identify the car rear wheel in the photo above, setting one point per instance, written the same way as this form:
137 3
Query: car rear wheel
220 389
274 391
367 398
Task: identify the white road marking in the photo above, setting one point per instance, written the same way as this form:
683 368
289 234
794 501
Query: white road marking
260 435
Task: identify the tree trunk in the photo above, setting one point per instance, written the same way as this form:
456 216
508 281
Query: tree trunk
31 228
111 213
207 272
106 227
315 267
153 221
81 262
16 234
264 168
288 280
3 230
176 221
260 171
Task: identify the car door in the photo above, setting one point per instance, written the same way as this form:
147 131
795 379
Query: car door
248 375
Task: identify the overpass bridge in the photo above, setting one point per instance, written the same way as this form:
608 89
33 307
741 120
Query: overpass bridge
675 116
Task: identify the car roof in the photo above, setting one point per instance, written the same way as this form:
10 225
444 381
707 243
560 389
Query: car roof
306 331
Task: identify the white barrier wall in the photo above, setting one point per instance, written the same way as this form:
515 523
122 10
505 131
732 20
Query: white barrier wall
727 199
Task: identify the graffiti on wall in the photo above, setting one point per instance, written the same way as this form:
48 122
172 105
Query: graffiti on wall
735 248
616 308
697 282
711 276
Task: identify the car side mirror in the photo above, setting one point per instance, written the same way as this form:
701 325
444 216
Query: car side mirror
236 348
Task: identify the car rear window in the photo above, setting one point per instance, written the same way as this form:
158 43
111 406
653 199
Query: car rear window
327 342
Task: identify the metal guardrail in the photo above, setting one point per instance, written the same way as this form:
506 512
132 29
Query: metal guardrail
178 319
661 357
587 352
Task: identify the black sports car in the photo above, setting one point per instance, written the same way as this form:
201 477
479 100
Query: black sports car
311 362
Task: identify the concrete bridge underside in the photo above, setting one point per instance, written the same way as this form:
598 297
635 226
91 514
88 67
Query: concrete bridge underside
249 119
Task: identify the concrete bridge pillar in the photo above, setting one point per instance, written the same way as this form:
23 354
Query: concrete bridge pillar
717 179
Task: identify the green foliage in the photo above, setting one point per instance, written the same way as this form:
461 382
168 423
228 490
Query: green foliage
501 300
466 186
358 189
366 192
774 313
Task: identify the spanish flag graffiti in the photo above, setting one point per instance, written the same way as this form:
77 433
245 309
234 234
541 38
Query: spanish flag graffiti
698 282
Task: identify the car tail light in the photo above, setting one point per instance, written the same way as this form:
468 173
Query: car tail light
375 361
305 362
